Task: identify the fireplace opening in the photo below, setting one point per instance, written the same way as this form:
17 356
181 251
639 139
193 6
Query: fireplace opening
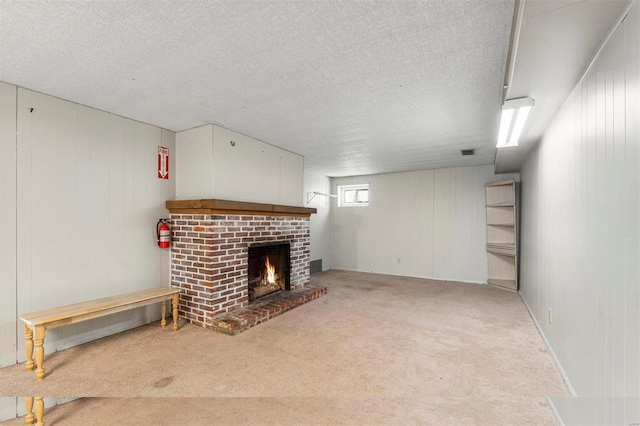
269 265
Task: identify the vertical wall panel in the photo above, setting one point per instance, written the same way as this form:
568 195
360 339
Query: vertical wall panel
83 181
392 209
98 279
23 209
153 203
632 185
580 232
428 224
116 218
612 213
139 212
246 171
442 243
8 326
590 242
168 192
8 408
115 280
129 202
418 257
320 223
601 231
529 262
99 206
151 139
367 244
194 162
142 211
67 193
44 200
291 178
214 162
619 190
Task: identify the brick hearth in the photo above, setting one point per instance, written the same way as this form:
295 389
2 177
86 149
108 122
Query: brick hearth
264 309
209 255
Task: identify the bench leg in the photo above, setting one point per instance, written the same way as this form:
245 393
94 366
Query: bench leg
163 312
39 411
39 354
174 305
28 347
28 403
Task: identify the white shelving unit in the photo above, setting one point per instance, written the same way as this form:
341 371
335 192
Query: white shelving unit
502 235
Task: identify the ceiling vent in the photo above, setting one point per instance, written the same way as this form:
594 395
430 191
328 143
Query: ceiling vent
467 151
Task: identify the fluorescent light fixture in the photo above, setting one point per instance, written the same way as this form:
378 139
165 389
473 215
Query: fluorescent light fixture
505 124
514 115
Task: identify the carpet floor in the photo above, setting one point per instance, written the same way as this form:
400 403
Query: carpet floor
376 349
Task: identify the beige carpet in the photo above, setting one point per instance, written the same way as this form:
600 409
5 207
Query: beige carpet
375 350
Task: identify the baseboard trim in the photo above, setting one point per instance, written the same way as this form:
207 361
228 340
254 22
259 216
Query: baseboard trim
410 276
554 410
567 382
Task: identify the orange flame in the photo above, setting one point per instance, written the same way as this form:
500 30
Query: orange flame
271 272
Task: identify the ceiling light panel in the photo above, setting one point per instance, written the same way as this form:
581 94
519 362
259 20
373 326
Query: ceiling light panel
512 121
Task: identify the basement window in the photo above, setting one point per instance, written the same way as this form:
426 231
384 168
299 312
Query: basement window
353 195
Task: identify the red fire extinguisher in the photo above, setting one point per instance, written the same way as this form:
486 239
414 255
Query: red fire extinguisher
163 233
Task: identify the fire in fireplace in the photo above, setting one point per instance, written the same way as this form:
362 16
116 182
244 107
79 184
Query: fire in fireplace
269 265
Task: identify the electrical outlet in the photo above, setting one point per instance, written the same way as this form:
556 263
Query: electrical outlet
550 316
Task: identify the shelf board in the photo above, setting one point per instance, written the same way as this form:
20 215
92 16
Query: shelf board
502 251
501 183
510 246
501 205
496 252
501 224
508 284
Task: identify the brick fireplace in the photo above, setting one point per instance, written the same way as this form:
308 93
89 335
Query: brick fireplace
209 258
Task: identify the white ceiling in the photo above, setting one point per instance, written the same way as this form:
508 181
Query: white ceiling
357 87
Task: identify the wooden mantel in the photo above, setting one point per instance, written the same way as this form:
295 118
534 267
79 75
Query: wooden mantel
235 207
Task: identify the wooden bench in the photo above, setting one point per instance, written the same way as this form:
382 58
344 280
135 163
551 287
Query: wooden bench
71 314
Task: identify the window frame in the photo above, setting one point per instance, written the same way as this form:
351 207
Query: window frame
341 195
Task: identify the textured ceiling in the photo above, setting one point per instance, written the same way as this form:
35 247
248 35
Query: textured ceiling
357 87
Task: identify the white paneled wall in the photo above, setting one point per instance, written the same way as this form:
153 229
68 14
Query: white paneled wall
80 191
88 199
214 162
320 222
580 228
427 224
194 159
9 408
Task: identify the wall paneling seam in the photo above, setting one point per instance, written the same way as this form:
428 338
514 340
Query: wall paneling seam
15 202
